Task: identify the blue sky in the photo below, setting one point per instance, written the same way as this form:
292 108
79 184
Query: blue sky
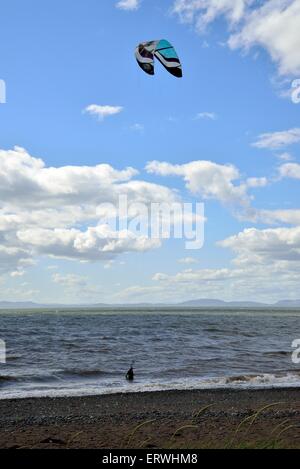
232 109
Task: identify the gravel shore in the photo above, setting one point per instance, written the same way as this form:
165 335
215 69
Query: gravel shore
167 419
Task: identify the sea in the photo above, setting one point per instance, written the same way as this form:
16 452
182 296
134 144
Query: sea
88 352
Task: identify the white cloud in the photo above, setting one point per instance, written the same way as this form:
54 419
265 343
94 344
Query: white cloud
257 182
266 267
275 140
103 111
285 156
268 246
275 26
261 283
204 12
94 244
190 275
12 258
76 286
128 4
288 216
272 24
26 181
69 280
22 292
211 180
63 212
207 115
188 260
137 128
18 273
290 170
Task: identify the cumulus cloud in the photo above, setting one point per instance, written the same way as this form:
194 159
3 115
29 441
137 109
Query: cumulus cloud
22 292
103 111
223 183
64 212
13 258
70 280
18 273
96 243
288 216
128 4
209 179
285 156
257 182
290 170
275 140
188 260
204 12
207 115
267 246
276 217
264 283
52 267
266 267
26 181
273 25
76 286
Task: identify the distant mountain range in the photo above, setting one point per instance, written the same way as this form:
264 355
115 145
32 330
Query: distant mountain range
201 303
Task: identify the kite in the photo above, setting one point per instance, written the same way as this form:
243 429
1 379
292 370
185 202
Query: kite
163 51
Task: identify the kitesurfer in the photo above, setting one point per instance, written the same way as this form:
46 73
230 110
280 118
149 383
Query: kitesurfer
130 374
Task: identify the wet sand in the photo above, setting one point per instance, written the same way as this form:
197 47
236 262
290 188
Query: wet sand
167 419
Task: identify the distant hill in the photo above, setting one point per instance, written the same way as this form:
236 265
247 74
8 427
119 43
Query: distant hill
223 304
288 304
19 305
32 305
200 303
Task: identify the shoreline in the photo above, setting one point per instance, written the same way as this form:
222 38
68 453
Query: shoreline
209 418
117 393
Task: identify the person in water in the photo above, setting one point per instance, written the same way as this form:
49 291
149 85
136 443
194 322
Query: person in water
130 374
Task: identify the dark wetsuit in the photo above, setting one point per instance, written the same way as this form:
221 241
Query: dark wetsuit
130 374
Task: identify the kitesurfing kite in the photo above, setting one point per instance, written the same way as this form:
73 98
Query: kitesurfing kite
163 51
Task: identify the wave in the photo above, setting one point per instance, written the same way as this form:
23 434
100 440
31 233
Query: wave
13 357
266 379
85 373
70 388
5 378
278 353
243 378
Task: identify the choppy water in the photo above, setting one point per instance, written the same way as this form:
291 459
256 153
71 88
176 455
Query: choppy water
89 352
